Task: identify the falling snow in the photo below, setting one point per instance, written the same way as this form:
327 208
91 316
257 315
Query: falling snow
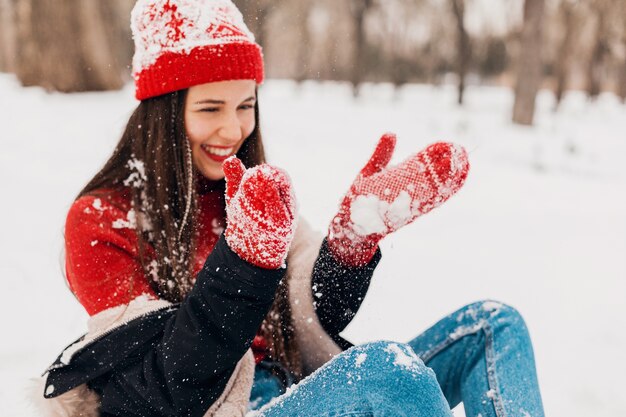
524 230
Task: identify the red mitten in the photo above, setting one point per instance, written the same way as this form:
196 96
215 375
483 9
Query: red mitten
260 213
382 199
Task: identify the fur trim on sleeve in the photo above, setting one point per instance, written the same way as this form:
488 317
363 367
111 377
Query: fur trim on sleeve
83 402
316 347
234 400
78 402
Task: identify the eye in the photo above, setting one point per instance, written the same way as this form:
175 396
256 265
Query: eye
246 106
209 109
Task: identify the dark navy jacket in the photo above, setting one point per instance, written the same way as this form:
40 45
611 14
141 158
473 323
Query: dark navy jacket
177 360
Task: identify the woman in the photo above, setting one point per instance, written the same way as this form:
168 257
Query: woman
205 295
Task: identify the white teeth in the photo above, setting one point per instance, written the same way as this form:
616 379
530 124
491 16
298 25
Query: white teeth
218 151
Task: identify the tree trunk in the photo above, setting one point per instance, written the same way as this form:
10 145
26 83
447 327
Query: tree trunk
256 14
97 45
7 36
529 65
304 44
595 67
622 78
622 70
463 52
564 56
359 10
68 46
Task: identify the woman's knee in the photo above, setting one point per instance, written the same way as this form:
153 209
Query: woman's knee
394 377
390 364
500 317
494 311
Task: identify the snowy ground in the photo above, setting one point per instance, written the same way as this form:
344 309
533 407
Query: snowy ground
540 224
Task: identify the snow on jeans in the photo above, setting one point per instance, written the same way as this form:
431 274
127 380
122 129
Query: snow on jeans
480 355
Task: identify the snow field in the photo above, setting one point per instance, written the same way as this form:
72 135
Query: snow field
539 225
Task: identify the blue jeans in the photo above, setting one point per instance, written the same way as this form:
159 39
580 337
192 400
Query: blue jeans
480 355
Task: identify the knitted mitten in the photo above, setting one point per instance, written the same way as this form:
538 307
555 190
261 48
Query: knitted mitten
260 213
382 199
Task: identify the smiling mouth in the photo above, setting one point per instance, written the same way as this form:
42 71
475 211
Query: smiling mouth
218 154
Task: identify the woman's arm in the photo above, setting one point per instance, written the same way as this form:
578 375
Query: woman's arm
339 290
384 198
318 320
188 369
101 255
381 199
190 366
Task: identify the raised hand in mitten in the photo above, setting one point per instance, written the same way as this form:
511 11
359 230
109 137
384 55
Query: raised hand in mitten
260 213
382 199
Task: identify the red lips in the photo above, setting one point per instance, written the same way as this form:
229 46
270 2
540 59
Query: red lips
214 157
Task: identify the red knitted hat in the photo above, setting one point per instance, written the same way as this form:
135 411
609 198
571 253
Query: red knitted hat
182 43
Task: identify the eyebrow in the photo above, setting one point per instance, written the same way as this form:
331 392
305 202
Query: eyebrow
211 101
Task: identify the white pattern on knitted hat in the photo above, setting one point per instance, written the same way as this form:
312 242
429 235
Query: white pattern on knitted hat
178 26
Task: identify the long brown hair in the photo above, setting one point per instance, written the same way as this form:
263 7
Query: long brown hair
152 162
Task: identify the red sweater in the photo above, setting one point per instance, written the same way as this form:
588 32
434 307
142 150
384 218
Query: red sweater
102 255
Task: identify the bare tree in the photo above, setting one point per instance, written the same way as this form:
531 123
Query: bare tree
463 52
529 64
394 50
302 14
568 14
78 54
359 9
622 67
7 36
256 14
601 48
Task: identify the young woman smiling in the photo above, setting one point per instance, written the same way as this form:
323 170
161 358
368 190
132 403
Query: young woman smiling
187 253
218 118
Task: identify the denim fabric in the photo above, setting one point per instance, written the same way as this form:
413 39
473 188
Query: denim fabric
266 387
480 355
383 379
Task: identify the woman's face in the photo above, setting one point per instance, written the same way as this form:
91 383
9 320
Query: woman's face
218 118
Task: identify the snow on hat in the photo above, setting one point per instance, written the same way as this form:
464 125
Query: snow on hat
182 43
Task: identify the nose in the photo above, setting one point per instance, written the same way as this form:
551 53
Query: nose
230 128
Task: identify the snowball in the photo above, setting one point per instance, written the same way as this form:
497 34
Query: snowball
399 212
370 215
367 215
